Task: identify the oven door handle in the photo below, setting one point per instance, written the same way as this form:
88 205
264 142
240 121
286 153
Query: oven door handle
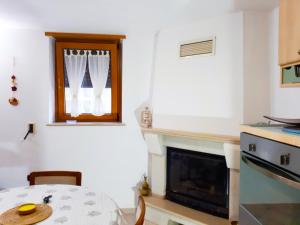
272 172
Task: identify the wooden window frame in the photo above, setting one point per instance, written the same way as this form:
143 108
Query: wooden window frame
113 43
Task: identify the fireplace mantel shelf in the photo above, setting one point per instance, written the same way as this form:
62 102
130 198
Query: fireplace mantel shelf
194 135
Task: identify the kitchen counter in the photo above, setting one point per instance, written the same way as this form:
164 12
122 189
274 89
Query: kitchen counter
273 132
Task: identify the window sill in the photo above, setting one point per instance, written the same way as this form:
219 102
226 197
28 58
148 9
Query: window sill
100 124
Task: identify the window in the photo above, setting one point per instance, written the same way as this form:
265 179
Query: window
88 77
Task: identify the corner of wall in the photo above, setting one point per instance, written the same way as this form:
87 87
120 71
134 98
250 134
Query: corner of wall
51 115
256 99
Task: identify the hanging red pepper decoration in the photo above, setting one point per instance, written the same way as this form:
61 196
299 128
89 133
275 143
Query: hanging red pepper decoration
13 100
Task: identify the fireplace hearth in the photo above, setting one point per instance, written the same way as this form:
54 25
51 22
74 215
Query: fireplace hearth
198 180
205 148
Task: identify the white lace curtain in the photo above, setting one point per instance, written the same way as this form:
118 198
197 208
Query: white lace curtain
75 65
98 68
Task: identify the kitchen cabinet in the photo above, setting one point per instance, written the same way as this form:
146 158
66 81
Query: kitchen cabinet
289 32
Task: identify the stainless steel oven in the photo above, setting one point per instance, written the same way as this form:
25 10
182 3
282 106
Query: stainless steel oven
270 182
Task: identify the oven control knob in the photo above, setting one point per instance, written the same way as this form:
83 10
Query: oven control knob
252 147
285 159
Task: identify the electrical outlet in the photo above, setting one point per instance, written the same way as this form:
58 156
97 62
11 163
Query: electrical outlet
31 128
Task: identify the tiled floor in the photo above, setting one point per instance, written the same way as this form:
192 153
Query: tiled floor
149 223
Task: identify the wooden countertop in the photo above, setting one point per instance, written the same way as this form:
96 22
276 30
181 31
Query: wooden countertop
194 216
274 133
194 135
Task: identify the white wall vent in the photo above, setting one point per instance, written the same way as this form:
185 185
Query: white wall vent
201 47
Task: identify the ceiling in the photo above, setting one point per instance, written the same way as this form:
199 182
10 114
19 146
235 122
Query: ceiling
116 16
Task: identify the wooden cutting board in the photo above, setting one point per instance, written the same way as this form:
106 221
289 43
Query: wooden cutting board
12 217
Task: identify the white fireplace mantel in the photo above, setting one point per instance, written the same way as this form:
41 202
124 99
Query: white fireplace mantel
158 139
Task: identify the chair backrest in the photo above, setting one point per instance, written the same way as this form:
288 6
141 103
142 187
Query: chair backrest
54 177
140 211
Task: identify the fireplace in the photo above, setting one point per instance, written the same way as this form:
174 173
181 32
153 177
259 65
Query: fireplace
198 180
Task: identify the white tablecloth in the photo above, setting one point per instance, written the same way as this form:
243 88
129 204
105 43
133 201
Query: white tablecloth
72 205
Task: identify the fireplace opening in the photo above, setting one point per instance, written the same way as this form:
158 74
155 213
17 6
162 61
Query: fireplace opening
198 180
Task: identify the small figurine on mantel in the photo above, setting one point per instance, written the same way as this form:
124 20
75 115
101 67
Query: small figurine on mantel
146 118
145 188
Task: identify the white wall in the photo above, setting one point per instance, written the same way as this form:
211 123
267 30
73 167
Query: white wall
201 93
214 94
205 94
284 101
256 66
112 158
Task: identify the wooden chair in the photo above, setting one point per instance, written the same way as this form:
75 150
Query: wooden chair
55 177
140 211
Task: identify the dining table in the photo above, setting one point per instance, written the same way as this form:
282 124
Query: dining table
71 205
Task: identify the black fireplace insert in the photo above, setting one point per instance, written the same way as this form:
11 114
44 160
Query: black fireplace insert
198 180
